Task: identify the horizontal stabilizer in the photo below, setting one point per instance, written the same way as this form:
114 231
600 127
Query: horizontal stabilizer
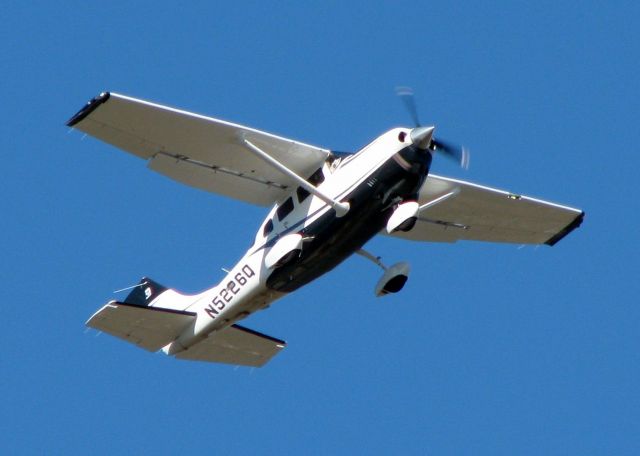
235 345
148 327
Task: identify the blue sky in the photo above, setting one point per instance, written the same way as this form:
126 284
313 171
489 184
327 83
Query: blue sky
489 349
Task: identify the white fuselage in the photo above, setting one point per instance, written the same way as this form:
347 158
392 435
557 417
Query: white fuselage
244 289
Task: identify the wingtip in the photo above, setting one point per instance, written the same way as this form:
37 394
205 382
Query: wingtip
568 229
88 108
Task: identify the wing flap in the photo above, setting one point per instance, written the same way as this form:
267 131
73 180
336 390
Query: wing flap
219 180
148 327
479 213
235 345
155 132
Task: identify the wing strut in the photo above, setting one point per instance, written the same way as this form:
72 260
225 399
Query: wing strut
340 207
440 199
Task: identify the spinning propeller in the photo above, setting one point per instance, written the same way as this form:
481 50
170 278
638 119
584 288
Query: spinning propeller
423 136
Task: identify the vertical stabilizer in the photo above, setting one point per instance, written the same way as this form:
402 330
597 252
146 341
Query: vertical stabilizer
149 293
145 292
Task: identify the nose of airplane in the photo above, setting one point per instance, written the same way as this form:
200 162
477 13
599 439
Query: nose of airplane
421 137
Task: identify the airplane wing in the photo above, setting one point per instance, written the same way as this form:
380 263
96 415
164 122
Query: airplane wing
148 327
473 212
199 151
234 344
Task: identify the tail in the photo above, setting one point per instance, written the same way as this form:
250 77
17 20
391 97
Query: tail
149 293
153 317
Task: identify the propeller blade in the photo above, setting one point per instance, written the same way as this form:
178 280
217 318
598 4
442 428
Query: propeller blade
406 94
454 151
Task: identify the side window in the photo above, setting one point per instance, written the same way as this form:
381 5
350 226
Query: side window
285 209
268 228
302 194
316 178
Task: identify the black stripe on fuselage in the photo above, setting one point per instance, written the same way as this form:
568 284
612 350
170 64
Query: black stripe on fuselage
329 240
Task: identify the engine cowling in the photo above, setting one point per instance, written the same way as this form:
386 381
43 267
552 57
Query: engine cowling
393 279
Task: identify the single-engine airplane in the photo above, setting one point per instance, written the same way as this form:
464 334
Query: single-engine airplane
325 206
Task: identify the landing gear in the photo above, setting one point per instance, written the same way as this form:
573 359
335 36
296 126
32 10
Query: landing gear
404 217
394 277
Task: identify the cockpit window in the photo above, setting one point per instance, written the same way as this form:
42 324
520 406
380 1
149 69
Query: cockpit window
316 178
268 227
285 209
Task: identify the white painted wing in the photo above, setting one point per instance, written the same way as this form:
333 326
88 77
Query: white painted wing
234 345
196 150
476 213
148 327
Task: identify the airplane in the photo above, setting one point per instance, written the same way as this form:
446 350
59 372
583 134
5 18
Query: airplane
325 206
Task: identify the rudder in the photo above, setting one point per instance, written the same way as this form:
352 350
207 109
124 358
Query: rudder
149 293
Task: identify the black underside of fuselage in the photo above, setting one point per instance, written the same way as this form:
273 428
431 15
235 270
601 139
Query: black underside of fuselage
330 240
